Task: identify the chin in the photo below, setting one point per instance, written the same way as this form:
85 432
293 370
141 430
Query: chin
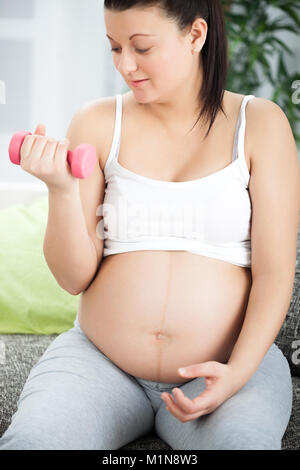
141 99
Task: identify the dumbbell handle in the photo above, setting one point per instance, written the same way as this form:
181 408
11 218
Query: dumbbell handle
82 160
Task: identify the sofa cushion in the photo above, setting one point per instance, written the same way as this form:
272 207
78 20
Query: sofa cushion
31 300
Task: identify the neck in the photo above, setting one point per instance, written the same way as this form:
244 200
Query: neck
180 109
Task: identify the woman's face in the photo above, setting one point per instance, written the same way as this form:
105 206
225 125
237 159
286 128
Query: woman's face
163 56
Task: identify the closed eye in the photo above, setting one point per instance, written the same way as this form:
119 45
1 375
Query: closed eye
140 51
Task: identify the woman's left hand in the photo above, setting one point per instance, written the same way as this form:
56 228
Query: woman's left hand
221 384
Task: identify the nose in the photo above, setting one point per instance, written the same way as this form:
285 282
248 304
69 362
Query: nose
127 64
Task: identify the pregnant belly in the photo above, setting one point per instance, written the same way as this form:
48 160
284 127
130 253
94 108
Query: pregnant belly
152 312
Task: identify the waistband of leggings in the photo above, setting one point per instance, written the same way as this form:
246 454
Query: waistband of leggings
157 385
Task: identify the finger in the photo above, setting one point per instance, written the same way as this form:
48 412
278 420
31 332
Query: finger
40 129
26 147
173 408
49 150
61 151
184 403
204 369
192 406
204 400
38 146
209 381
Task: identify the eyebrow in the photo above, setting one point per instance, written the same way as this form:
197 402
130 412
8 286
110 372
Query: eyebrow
137 34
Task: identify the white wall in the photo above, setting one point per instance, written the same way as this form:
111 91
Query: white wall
54 57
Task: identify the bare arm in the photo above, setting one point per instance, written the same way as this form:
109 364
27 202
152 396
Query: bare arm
69 251
72 249
275 194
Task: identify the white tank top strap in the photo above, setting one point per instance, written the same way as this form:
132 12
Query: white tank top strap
114 151
235 144
239 139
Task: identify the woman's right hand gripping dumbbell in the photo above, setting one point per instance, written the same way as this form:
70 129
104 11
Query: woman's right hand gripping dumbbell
46 159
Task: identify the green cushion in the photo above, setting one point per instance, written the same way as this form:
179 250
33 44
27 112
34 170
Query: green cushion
31 300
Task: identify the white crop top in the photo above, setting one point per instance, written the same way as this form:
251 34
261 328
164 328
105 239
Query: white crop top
209 216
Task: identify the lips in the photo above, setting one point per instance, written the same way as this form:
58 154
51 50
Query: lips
139 83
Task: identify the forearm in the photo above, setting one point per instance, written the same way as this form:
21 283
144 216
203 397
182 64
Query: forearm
267 308
68 248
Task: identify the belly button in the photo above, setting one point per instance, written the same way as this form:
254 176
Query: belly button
159 336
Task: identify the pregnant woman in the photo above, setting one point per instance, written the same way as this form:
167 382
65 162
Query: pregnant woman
182 244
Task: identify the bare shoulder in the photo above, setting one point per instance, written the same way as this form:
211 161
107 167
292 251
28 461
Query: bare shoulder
264 117
256 108
262 114
99 118
263 107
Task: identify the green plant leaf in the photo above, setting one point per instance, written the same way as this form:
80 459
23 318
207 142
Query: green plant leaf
254 44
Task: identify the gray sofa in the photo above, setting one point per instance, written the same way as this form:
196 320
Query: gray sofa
23 351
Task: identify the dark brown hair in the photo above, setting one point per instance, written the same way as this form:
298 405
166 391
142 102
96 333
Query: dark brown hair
215 50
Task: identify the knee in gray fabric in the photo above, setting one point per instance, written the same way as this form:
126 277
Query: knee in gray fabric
26 438
248 441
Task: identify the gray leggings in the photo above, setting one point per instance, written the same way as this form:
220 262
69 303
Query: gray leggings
76 398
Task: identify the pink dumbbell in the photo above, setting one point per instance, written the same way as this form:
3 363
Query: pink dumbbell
82 161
